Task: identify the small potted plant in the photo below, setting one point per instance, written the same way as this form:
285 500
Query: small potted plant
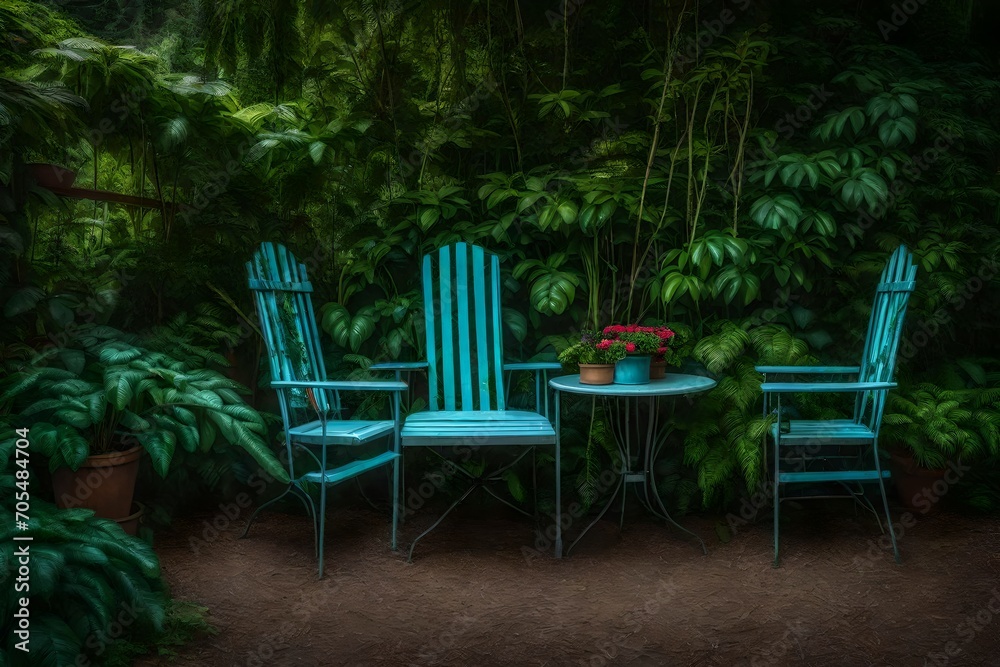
642 345
596 356
95 406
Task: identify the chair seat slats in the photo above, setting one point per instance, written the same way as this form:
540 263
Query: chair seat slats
340 432
823 431
484 428
350 470
832 476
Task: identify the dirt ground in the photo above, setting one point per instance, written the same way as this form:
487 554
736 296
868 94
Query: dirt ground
645 597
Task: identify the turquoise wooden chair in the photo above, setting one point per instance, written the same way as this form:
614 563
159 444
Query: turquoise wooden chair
465 367
844 451
310 404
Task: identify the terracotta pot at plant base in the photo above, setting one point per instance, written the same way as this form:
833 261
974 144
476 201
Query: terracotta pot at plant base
104 483
657 370
52 175
597 373
915 486
130 523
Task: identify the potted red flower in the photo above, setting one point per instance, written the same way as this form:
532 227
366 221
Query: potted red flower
596 356
644 345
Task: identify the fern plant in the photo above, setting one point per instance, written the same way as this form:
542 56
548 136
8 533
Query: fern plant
725 440
939 425
107 392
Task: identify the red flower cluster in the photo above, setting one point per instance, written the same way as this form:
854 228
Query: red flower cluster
663 333
637 339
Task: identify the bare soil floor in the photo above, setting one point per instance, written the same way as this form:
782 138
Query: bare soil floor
644 597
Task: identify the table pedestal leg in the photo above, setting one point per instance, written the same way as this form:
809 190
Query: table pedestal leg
649 496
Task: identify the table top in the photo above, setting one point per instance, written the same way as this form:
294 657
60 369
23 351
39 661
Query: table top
672 385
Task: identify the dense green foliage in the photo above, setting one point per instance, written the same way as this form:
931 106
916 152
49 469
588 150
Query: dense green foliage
90 586
743 168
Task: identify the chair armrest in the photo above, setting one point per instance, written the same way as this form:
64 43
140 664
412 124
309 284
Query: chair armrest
342 385
823 387
809 370
532 366
398 366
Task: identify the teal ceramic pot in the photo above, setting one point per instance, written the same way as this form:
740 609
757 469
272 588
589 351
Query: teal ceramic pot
633 369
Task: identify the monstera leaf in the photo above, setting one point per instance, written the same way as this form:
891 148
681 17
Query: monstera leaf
348 331
552 289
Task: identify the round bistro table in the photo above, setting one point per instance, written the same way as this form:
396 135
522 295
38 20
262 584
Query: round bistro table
637 458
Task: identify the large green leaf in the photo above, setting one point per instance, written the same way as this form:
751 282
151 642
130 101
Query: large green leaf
552 293
346 330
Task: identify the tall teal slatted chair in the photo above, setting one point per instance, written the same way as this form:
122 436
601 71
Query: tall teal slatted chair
310 404
844 451
466 398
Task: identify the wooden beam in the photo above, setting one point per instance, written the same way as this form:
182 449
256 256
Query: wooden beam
104 195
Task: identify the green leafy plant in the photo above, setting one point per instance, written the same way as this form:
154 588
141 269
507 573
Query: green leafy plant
106 392
593 349
938 425
92 588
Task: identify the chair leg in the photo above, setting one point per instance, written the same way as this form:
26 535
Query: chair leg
777 524
777 492
311 511
322 526
413 545
885 504
294 490
395 498
257 511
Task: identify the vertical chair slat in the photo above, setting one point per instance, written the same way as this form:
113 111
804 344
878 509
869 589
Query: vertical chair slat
482 346
497 347
430 326
447 314
465 348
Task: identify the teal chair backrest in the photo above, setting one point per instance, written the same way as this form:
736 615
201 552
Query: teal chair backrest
282 294
461 289
885 328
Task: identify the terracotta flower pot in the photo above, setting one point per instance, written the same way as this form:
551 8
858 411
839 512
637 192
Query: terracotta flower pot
104 483
597 373
915 485
130 523
657 370
52 175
